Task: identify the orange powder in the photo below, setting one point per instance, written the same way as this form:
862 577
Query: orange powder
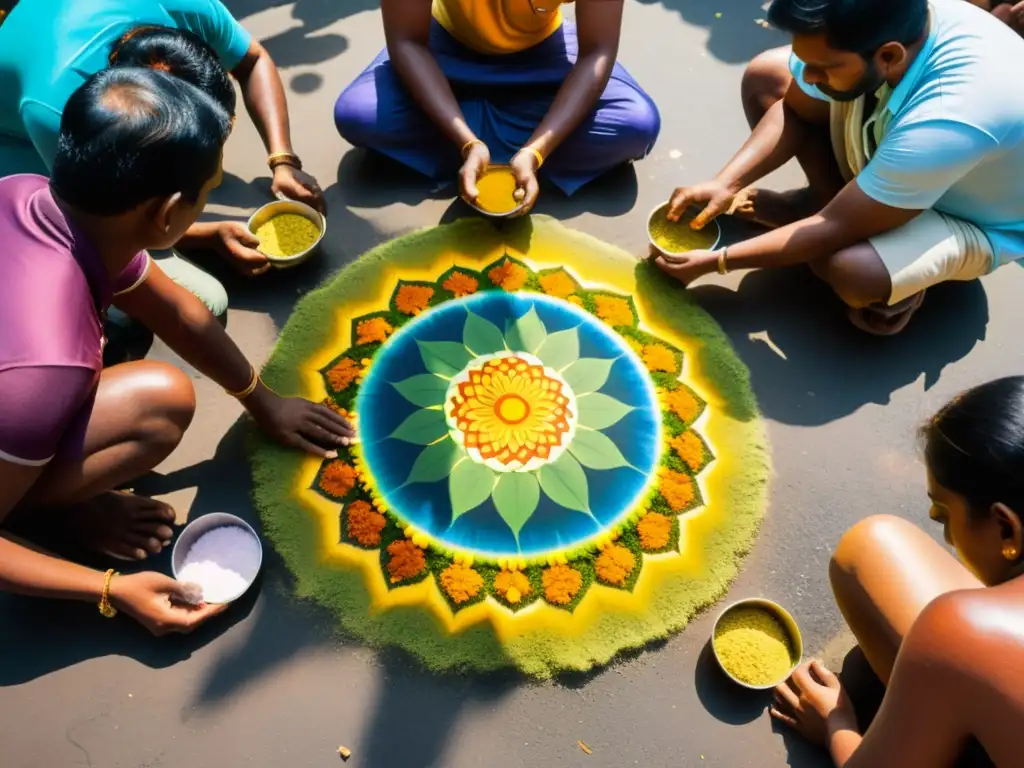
497 188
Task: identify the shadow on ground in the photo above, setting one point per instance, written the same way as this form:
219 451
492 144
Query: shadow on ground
734 36
810 366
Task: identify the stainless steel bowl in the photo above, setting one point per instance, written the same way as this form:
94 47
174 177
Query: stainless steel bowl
492 214
662 210
788 623
276 208
202 525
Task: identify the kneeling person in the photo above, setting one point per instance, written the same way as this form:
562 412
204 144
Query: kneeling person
138 154
478 81
909 125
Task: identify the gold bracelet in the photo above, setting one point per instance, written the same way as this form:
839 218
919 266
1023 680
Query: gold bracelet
469 145
723 261
536 153
106 609
284 158
248 390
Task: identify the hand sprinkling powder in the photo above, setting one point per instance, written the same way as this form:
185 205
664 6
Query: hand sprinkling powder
223 562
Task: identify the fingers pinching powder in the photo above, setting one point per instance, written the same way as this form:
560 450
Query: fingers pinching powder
223 562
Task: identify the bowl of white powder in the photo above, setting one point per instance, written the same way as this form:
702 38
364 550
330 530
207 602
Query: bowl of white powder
221 554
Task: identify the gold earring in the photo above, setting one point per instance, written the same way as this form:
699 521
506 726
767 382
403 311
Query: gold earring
1010 552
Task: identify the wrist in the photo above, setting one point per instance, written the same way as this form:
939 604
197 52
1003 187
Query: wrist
842 721
257 403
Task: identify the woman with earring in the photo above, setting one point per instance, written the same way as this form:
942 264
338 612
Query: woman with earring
946 637
464 83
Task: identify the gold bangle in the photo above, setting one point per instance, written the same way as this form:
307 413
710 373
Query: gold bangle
284 158
248 390
106 609
723 261
469 145
536 153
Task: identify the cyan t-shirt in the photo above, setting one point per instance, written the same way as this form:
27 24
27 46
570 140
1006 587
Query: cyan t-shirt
955 137
49 47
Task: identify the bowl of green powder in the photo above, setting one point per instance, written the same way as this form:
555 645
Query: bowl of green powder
757 643
678 237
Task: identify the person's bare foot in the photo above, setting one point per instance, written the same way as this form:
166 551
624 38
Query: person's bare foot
118 524
774 209
887 320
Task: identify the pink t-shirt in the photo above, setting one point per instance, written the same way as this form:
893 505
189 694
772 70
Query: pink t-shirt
54 294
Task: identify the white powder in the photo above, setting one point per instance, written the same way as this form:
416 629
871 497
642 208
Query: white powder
223 562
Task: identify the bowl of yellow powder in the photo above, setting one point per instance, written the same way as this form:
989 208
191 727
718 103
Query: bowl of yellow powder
289 232
496 192
678 237
757 643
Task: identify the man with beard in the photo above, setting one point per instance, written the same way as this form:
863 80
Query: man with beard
909 124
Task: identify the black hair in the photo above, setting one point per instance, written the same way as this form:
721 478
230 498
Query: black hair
974 446
858 26
180 53
129 135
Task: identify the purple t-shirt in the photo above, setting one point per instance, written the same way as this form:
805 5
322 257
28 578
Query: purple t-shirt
54 291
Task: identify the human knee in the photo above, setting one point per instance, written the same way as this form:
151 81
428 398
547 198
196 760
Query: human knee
634 132
355 116
765 82
166 403
863 544
856 274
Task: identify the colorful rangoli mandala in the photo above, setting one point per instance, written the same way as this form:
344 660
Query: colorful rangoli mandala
539 456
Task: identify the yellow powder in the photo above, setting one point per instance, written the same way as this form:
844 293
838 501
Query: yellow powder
754 646
677 236
497 188
287 234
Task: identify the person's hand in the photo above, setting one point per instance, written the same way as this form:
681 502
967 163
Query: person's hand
524 166
818 707
686 267
713 198
299 423
159 603
477 158
234 241
1016 17
298 185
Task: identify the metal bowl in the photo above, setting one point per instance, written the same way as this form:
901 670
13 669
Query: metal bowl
788 623
202 525
276 208
662 210
492 214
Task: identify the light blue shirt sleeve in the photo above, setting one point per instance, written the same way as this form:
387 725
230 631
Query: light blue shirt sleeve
211 20
917 163
796 68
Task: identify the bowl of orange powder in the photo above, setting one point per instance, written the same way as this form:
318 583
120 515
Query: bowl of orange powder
496 188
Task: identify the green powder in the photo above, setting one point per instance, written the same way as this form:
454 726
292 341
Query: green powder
678 236
753 646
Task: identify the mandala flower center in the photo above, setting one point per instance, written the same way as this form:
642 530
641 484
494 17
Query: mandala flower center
512 409
510 412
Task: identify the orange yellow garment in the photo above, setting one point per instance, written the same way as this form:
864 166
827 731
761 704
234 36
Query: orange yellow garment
499 26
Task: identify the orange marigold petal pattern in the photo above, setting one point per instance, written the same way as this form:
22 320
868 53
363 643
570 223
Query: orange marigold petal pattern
655 531
406 561
659 358
413 299
613 310
374 330
461 583
683 405
364 523
509 276
512 585
338 478
461 284
615 564
343 374
557 284
690 449
561 584
677 489
574 299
